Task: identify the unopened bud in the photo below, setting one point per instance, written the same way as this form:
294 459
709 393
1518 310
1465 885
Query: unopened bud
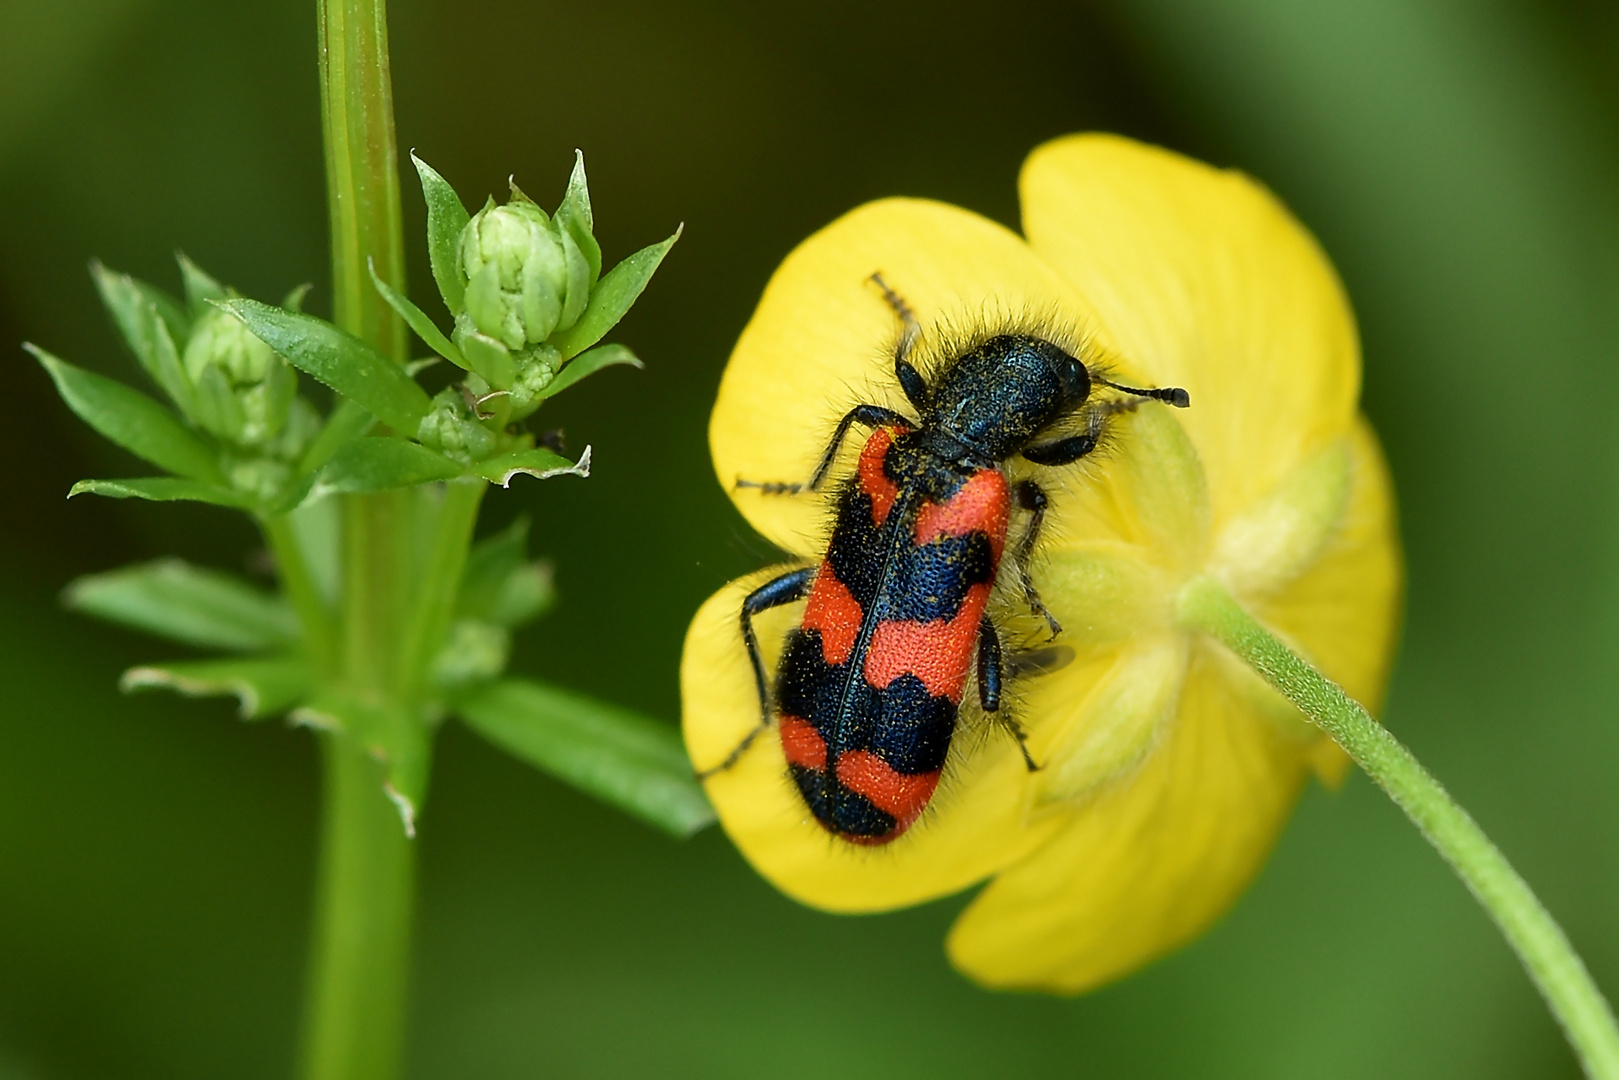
516 270
452 428
243 390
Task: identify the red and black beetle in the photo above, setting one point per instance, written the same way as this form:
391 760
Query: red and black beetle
869 685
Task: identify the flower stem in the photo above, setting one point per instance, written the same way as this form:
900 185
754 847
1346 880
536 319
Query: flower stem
356 992
362 169
355 1006
1534 935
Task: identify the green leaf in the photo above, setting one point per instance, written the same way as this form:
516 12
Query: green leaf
612 297
340 360
500 586
446 217
587 364
348 421
622 758
393 734
130 419
537 462
381 463
163 489
576 218
417 319
151 324
187 603
264 686
490 359
201 286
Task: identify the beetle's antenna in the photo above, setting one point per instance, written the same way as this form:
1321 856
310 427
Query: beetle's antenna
1172 395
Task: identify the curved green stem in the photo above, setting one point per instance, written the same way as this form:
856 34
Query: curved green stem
1534 935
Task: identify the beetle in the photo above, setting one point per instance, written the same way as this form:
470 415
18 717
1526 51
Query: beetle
870 684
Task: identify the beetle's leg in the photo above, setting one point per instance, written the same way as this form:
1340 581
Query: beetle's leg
869 415
791 586
1031 498
1063 451
991 673
910 380
1038 661
989 665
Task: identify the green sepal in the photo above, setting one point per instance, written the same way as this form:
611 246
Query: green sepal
417 320
139 292
446 217
200 286
576 218
348 421
396 736
587 364
490 359
294 300
627 760
500 585
577 294
152 325
338 359
163 489
536 461
131 419
186 603
382 463
264 686
612 298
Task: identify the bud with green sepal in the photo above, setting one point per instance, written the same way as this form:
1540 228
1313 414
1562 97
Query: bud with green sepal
526 292
242 426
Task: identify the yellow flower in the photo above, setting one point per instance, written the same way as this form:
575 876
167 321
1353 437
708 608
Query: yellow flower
1167 769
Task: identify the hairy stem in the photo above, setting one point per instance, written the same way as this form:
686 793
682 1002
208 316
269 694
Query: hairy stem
1534 935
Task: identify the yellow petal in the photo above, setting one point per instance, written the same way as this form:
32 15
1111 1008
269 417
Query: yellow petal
1202 279
973 827
1147 865
822 339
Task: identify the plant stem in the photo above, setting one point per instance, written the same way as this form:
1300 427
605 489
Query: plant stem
439 578
299 585
1534 935
355 1004
355 1001
362 169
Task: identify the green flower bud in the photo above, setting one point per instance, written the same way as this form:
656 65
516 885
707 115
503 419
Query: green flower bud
243 390
221 340
516 269
475 651
263 478
534 373
452 429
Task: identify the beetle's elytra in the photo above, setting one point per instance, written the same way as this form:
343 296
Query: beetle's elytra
870 683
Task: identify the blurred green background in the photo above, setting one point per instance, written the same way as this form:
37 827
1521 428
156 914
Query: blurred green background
1459 160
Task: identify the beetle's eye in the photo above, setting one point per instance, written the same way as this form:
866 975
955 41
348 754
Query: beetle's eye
1076 381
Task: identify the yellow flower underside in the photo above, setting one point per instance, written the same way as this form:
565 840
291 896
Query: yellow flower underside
1167 768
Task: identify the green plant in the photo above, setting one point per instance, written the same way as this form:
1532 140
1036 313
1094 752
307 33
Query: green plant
389 618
